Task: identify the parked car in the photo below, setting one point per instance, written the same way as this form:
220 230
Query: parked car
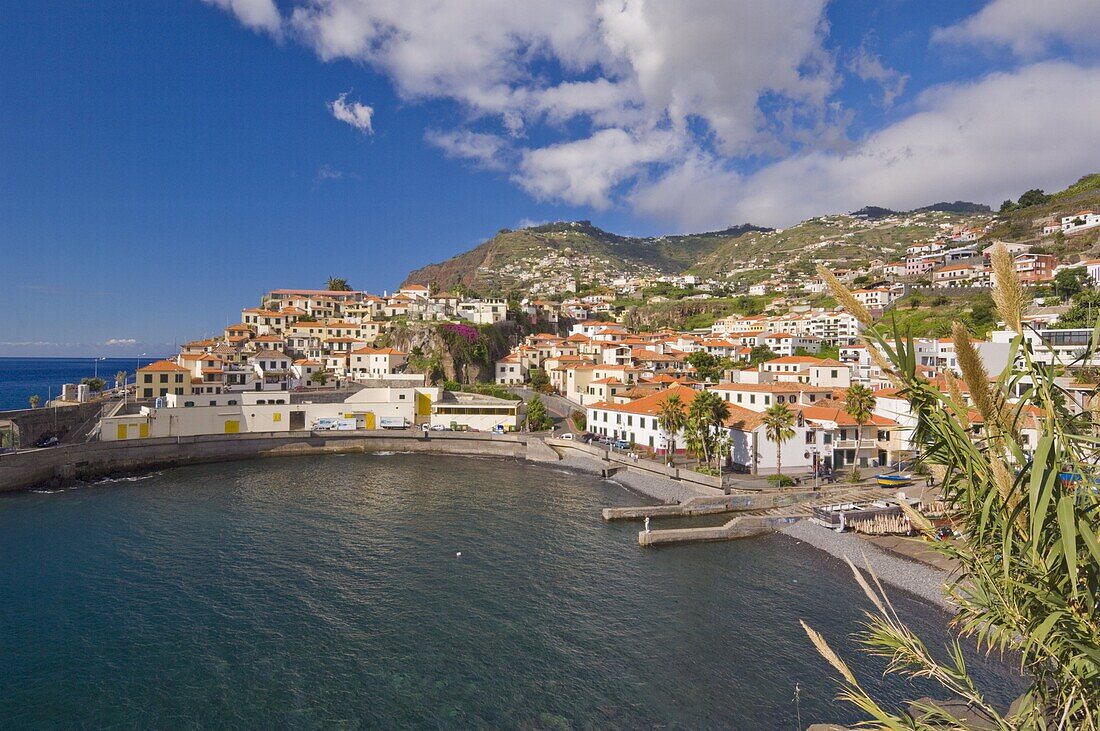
621 444
568 436
440 427
47 442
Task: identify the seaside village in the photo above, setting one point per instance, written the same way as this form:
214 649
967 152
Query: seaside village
310 359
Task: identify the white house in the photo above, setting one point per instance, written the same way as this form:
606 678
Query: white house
1080 221
375 362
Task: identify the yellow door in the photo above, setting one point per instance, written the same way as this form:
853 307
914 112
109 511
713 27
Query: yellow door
232 427
368 420
423 404
143 431
121 431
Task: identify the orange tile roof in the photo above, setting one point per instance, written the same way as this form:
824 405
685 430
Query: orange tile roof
164 365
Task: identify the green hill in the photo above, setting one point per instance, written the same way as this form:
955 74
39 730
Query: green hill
844 241
557 257
538 257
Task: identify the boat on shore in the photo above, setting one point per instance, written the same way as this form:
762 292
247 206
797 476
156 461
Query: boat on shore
894 480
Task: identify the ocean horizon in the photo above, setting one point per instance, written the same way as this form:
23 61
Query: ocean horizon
24 376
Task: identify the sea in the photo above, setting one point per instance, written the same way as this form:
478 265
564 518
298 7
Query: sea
401 591
20 378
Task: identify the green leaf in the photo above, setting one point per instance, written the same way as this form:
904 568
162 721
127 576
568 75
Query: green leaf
1069 538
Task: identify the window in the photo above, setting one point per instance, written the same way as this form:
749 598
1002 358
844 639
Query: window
811 437
827 438
148 392
164 378
179 378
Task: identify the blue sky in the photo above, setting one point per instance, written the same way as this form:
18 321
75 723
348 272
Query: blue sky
162 164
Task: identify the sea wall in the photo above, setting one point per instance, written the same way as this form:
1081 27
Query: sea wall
33 424
20 470
614 461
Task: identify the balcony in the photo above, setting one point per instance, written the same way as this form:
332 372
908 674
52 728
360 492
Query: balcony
855 444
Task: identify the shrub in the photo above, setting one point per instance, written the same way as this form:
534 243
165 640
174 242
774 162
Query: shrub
780 481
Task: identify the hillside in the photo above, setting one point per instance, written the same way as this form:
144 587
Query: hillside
1025 222
546 259
557 257
844 241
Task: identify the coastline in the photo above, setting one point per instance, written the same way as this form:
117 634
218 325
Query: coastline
918 579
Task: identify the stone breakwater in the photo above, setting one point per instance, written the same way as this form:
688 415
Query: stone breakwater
921 580
91 460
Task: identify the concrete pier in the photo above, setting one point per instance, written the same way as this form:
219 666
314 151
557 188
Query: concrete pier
712 505
743 526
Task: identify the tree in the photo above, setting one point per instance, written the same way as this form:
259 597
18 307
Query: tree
1029 564
859 403
707 367
336 284
1069 282
34 400
537 417
320 376
95 384
760 354
779 427
672 417
1033 197
538 379
120 379
706 417
1083 311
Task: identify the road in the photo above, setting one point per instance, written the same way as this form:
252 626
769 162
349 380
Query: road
558 407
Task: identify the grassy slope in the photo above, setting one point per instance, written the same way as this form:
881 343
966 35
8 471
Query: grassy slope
926 315
855 242
1022 223
672 254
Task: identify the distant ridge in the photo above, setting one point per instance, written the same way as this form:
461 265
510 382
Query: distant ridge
566 256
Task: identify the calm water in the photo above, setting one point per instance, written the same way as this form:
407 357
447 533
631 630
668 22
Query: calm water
325 592
22 377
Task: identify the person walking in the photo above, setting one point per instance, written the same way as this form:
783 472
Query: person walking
647 524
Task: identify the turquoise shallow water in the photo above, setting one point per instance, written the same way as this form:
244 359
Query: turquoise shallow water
324 592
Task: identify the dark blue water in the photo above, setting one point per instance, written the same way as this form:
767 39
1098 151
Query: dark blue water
325 592
20 378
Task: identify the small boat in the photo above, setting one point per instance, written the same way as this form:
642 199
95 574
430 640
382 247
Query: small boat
894 480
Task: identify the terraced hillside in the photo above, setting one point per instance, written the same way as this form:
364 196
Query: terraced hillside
843 241
547 259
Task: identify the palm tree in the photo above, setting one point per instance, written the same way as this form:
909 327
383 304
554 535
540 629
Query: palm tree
672 418
34 400
120 379
859 403
708 413
779 426
335 284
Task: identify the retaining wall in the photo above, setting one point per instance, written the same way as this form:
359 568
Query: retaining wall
616 460
20 470
32 424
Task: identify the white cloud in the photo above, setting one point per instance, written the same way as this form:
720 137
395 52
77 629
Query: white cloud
584 172
485 150
1029 27
986 141
120 341
656 104
356 114
869 67
256 14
